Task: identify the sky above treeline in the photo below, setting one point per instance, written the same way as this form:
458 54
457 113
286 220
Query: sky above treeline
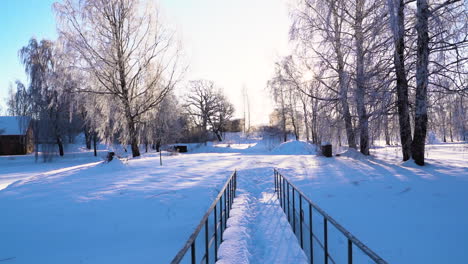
233 43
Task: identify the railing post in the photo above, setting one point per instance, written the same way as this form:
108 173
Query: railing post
289 212
350 251
235 180
221 217
232 192
280 187
294 209
279 191
194 260
301 219
325 238
215 233
207 240
283 190
228 200
274 178
225 210
311 235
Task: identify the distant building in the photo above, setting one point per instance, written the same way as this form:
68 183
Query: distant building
16 135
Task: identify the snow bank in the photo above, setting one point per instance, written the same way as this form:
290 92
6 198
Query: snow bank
354 154
294 148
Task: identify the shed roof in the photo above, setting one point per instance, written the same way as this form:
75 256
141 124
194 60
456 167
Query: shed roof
14 125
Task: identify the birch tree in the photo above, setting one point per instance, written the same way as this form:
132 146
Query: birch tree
319 26
132 58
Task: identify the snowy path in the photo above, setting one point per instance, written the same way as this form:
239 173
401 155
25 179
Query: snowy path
258 231
139 212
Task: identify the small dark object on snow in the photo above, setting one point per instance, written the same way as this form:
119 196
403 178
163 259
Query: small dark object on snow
327 150
180 148
110 156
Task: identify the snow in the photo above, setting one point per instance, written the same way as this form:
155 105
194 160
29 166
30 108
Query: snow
79 209
294 148
13 125
404 212
258 230
352 153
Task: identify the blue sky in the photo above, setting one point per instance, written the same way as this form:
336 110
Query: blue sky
19 21
233 43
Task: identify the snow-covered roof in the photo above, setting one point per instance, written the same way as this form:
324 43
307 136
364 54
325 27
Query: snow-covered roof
14 125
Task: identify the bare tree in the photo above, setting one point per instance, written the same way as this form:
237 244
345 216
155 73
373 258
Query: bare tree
208 107
320 27
131 57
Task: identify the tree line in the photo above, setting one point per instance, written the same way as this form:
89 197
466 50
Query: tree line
365 70
111 75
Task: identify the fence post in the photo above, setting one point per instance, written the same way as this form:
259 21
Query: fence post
216 233
350 251
301 217
284 195
289 213
281 191
228 201
325 238
225 210
311 235
294 210
221 217
207 239
235 180
232 191
194 260
274 179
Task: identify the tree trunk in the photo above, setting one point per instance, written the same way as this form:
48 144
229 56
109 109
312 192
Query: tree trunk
342 83
133 138
158 145
348 123
293 122
387 133
422 78
95 143
397 20
134 144
360 81
451 126
218 136
60 145
87 138
463 127
283 116
306 120
444 130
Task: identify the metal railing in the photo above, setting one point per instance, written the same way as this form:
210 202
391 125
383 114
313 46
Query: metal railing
213 230
310 224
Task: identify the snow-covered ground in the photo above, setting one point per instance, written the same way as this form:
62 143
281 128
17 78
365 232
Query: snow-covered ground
78 209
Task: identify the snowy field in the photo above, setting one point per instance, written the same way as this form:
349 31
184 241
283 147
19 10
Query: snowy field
78 209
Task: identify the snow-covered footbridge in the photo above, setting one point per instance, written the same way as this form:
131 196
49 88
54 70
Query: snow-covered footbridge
255 221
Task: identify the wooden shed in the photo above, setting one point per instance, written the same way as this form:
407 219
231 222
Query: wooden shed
16 135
